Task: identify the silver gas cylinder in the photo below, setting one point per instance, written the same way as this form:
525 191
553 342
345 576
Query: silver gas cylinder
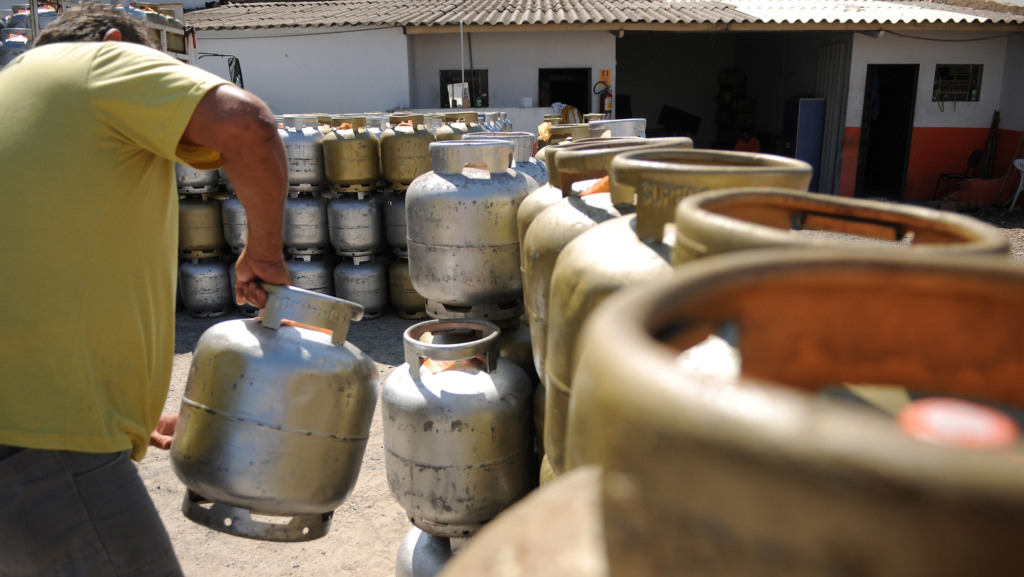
305 224
355 225
200 231
522 154
46 14
275 419
205 287
618 127
458 430
312 272
303 144
13 43
234 223
490 122
194 181
422 554
365 281
395 228
408 303
463 239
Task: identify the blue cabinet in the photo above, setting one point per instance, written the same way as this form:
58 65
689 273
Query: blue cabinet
803 126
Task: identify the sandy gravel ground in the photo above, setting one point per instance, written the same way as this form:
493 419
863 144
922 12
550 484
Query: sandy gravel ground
368 527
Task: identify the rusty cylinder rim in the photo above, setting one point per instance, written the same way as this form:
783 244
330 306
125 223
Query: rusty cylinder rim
724 221
594 159
697 408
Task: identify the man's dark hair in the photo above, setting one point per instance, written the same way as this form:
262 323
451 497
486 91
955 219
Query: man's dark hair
90 21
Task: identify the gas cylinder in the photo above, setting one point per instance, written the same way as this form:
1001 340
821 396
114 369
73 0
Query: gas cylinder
200 230
635 249
569 217
463 243
205 287
354 223
404 150
395 229
351 156
246 310
305 224
522 154
442 129
45 12
275 418
548 194
457 429
303 144
13 43
408 303
490 122
562 132
618 127
194 181
422 554
720 221
557 530
312 272
592 116
224 180
235 224
677 445
463 122
323 124
364 281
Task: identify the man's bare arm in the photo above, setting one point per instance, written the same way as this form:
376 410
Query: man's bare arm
241 127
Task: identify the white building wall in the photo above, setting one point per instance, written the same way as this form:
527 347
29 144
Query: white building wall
512 61
946 48
337 71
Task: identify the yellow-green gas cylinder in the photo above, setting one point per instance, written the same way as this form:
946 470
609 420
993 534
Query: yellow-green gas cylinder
635 248
404 150
706 469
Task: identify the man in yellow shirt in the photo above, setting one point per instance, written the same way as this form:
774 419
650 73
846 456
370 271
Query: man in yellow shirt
88 239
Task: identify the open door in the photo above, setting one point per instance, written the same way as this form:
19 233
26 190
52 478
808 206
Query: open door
885 130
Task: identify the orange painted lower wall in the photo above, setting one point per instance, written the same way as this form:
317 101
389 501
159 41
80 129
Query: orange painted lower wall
933 151
848 170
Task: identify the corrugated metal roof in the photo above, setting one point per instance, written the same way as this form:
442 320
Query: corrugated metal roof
438 13
866 11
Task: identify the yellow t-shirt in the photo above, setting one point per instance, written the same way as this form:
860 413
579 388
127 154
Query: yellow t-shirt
88 241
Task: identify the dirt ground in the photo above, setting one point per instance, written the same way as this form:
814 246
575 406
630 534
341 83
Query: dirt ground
368 527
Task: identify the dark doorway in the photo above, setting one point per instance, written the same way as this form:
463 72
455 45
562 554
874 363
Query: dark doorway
885 130
565 85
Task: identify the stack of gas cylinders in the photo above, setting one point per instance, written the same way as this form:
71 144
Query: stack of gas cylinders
717 350
459 434
16 29
694 358
344 219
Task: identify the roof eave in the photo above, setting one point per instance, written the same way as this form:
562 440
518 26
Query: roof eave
986 26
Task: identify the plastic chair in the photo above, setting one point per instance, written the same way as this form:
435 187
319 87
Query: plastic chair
972 164
1019 164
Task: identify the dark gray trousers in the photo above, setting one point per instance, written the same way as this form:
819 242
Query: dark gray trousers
64 513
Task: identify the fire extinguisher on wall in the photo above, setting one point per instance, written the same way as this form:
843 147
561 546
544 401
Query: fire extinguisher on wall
605 91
